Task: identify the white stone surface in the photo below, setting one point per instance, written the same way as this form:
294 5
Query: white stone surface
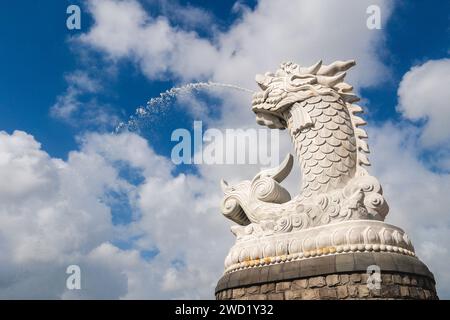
341 206
257 247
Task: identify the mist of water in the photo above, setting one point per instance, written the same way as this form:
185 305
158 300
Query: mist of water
154 105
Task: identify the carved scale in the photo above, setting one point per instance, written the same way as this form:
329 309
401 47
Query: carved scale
341 207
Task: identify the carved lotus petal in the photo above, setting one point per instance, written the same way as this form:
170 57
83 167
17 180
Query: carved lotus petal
282 248
354 236
295 246
269 250
370 235
244 255
255 253
339 238
309 244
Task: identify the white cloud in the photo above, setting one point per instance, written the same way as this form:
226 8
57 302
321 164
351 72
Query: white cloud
424 95
54 214
417 196
302 31
61 220
75 107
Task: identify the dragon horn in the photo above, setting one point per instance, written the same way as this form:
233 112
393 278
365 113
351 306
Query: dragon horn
279 173
331 81
335 67
311 69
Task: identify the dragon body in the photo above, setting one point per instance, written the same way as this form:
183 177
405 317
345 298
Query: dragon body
317 108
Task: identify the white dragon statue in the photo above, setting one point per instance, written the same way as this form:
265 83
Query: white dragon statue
341 207
316 106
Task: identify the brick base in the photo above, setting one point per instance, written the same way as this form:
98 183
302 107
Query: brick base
337 286
342 276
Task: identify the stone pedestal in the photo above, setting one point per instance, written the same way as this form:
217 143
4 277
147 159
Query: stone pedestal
320 243
336 276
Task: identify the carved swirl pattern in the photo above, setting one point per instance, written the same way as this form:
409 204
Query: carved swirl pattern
269 190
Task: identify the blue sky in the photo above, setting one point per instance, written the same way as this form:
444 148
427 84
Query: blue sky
36 54
41 62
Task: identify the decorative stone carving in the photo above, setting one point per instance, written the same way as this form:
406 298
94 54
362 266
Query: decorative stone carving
341 207
256 246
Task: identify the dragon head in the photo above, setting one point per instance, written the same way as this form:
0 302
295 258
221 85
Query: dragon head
291 84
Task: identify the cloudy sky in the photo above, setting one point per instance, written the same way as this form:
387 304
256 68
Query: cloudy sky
140 226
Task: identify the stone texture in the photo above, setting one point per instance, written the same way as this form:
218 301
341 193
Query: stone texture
253 290
404 291
300 284
352 291
293 295
268 288
336 286
363 291
275 296
311 294
406 280
327 293
332 280
238 292
355 278
386 279
283 286
258 297
397 279
342 292
317 282
345 278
